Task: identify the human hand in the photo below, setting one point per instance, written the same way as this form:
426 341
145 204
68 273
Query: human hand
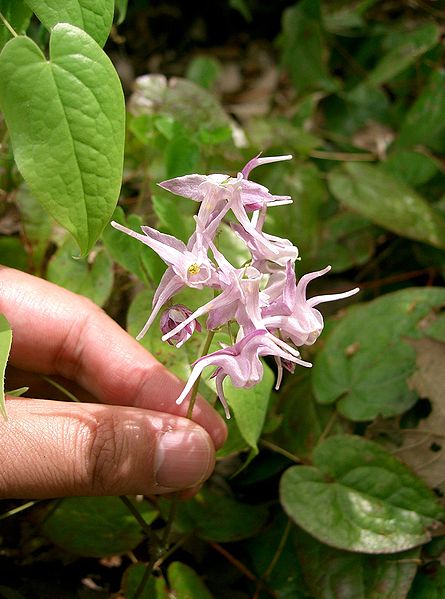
136 441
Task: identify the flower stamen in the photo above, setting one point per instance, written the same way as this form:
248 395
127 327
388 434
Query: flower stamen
193 269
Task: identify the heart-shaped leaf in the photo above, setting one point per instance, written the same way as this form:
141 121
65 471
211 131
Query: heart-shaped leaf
217 517
365 362
93 16
68 143
359 497
388 202
96 526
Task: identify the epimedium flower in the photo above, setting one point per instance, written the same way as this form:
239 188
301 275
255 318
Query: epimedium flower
175 315
295 316
270 309
237 298
188 265
218 193
241 362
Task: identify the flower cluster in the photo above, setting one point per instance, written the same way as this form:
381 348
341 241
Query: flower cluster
263 298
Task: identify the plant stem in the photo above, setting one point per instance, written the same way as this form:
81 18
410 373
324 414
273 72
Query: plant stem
8 26
145 578
60 388
174 502
343 156
137 514
280 450
18 509
205 349
278 552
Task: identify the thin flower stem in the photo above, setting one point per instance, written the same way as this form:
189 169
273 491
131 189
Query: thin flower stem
168 525
274 560
60 388
204 351
145 578
343 156
17 510
170 552
328 427
8 26
137 514
174 502
279 551
171 516
281 450
242 568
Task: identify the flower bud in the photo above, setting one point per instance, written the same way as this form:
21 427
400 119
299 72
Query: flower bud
172 317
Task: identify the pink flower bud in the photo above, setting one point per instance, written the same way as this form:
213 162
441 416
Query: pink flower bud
174 316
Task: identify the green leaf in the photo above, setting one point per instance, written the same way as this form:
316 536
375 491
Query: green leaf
249 406
286 577
346 240
8 593
414 168
358 497
18 16
424 122
5 346
365 362
175 214
121 8
96 526
387 202
217 518
17 392
92 277
411 45
130 253
182 154
429 583
68 143
186 102
303 47
331 574
340 17
242 7
13 253
300 221
93 16
185 582
154 589
303 419
203 70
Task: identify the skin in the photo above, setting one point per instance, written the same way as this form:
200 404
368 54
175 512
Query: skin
127 436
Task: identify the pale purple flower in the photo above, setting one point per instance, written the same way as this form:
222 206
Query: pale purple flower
241 362
188 264
218 193
237 301
271 249
294 316
175 315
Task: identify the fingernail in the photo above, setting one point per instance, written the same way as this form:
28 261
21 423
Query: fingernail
184 458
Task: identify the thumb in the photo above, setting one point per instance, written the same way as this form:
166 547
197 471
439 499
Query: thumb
55 449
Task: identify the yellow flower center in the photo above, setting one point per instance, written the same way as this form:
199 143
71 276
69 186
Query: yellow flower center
194 269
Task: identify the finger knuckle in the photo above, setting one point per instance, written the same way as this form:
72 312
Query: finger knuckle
105 453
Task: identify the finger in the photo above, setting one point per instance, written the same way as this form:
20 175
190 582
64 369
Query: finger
58 332
55 449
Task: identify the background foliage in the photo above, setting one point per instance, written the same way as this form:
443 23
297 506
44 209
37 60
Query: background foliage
332 488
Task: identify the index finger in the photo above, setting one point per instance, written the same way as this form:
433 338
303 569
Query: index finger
58 332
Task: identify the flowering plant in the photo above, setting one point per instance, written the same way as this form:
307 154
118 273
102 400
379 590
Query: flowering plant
273 315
